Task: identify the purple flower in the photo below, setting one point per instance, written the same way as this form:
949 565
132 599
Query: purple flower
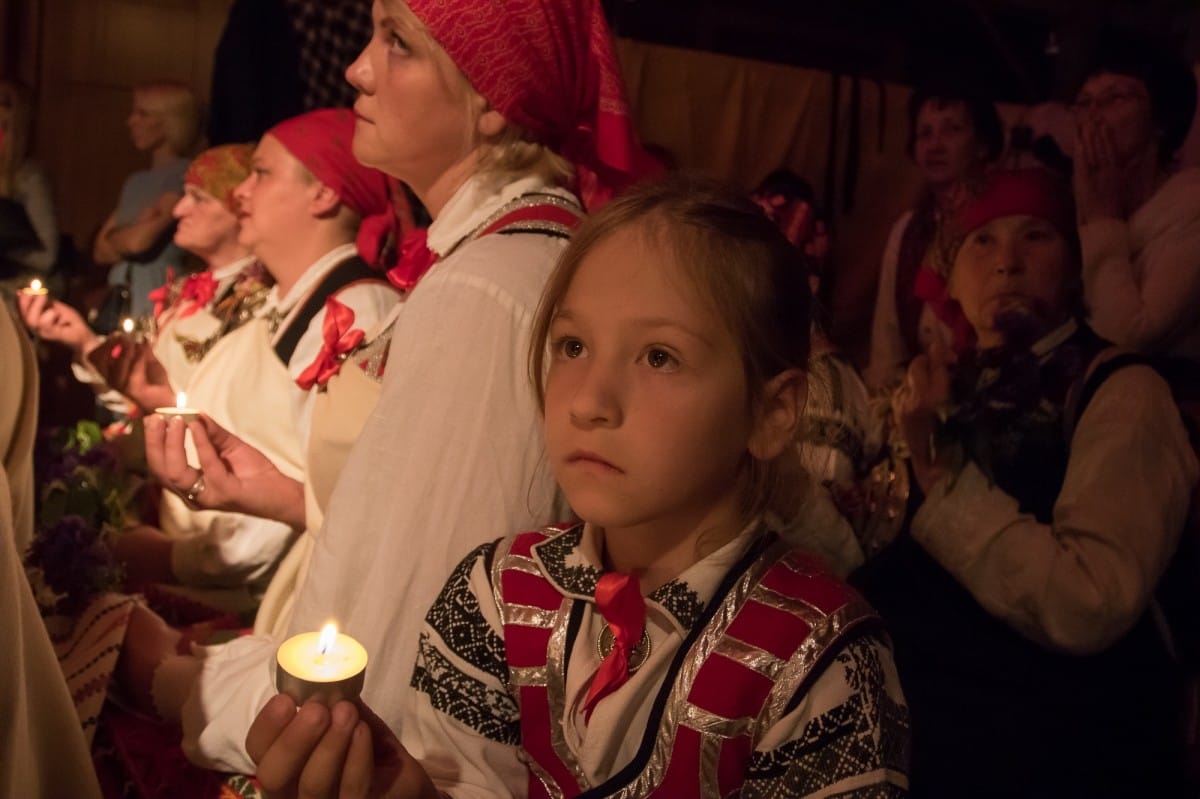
74 562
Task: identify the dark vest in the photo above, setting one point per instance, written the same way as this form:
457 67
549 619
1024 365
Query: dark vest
993 713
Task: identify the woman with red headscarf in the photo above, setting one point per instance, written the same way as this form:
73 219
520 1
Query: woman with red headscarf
1054 479
487 110
301 208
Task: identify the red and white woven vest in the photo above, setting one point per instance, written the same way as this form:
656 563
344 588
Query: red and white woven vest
761 639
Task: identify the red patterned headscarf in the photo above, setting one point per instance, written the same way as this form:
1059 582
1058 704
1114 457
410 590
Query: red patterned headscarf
219 170
321 141
549 67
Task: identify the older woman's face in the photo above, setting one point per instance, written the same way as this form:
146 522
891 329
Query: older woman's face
205 224
146 128
945 147
1012 265
413 120
274 201
1122 104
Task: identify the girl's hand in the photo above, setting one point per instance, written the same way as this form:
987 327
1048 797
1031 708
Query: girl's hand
1098 180
346 752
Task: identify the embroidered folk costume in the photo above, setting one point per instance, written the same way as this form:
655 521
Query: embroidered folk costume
760 675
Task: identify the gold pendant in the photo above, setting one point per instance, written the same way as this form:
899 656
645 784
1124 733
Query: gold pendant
606 640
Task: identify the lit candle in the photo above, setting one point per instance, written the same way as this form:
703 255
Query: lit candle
327 666
35 287
181 409
127 325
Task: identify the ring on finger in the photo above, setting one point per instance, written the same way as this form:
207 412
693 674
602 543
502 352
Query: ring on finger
196 488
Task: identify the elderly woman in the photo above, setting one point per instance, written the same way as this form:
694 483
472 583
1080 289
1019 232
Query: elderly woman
192 312
954 135
1139 211
1019 595
135 238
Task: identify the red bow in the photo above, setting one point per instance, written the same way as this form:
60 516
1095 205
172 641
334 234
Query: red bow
619 600
340 340
414 260
160 295
198 290
934 290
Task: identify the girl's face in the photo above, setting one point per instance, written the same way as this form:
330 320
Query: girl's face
146 129
1011 265
646 399
413 114
273 202
1122 104
205 224
944 145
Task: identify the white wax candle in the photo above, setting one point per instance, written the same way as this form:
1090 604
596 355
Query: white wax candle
326 665
35 287
181 410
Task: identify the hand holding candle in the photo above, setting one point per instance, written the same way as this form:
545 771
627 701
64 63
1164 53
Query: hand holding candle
327 666
180 410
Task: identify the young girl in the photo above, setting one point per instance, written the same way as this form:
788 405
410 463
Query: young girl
670 644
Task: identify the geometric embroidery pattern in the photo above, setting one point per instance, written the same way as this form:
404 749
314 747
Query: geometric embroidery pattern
456 617
491 713
838 744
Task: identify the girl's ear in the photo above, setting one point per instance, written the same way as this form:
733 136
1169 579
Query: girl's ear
779 414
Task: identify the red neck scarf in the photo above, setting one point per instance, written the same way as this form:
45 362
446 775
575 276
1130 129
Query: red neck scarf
198 291
620 602
413 262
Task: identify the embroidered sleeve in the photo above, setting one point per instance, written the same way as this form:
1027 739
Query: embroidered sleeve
461 722
848 735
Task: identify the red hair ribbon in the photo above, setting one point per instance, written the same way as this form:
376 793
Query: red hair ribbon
620 602
341 338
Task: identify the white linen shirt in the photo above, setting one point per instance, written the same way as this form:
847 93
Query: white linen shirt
1141 276
452 456
1080 583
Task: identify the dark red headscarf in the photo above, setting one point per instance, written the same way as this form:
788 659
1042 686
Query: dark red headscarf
321 140
1024 192
549 67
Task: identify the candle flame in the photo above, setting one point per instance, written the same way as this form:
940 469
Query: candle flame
35 285
181 400
127 325
328 636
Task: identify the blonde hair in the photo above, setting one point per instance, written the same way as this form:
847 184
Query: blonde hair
511 153
740 264
16 139
179 110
